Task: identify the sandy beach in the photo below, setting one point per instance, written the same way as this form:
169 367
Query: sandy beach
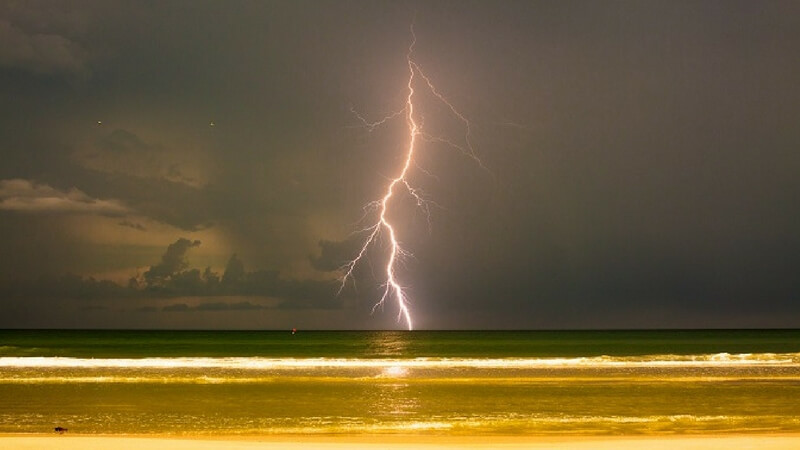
79 442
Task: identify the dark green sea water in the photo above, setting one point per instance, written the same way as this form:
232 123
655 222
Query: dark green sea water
605 382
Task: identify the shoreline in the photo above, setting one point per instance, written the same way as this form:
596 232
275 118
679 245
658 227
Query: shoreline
762 441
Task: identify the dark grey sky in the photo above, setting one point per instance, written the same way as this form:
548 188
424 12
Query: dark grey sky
642 163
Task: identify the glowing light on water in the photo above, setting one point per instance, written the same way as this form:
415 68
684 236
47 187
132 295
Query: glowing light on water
395 371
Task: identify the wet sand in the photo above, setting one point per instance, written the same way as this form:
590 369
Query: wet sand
82 442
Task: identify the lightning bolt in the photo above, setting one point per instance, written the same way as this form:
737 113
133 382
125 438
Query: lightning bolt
392 286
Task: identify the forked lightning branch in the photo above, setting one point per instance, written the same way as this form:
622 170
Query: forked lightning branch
381 225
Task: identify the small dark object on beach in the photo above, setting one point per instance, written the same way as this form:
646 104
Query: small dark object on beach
60 430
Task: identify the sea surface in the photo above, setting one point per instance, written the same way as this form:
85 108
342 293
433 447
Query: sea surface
445 382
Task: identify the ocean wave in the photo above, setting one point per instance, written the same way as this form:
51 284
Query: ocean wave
396 366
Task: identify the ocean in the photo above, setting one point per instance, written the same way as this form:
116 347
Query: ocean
387 382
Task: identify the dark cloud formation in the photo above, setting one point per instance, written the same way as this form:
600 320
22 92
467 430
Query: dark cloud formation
29 196
212 306
134 225
177 307
41 42
173 278
642 162
172 265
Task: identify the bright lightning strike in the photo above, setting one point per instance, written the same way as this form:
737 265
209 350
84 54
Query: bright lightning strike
392 287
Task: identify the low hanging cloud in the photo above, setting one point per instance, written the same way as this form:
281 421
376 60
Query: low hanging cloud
213 307
28 196
172 278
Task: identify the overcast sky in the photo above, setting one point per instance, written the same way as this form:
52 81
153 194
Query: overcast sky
202 164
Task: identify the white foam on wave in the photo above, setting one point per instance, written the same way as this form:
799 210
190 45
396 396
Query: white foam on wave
400 365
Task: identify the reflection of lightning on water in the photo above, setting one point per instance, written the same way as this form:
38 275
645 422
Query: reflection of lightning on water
392 287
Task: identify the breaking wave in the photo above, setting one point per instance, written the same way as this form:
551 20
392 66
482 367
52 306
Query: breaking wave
400 365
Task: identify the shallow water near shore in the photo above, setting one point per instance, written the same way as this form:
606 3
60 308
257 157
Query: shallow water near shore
470 383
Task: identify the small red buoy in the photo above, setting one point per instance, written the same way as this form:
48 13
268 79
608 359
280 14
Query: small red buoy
294 330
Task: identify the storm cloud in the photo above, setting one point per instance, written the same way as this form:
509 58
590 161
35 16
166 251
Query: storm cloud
28 196
172 277
640 163
172 263
212 306
40 52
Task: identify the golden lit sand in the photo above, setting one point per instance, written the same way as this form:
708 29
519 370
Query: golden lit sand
76 442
